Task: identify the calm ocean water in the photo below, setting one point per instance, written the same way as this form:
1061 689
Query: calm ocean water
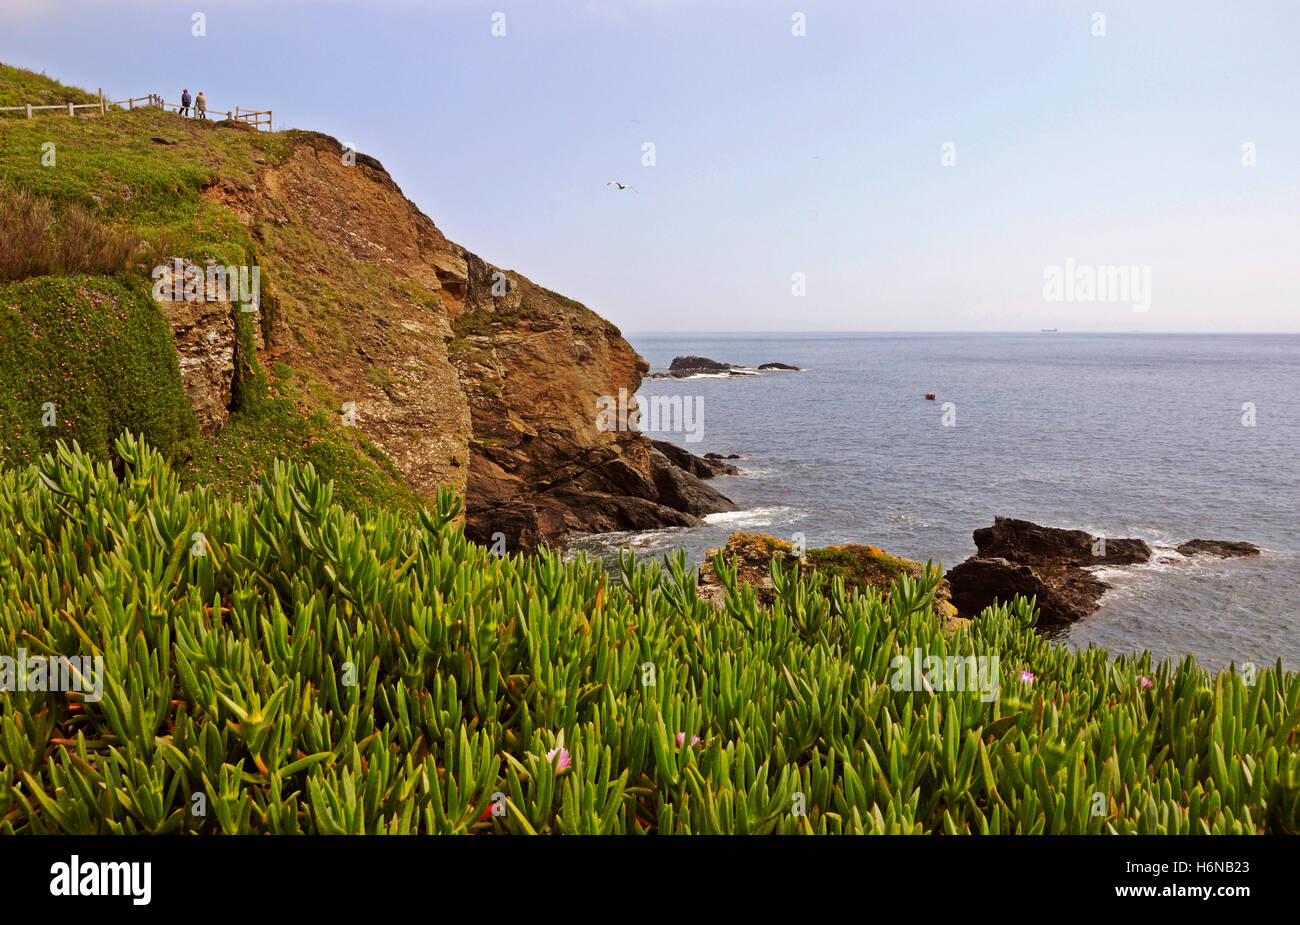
1120 435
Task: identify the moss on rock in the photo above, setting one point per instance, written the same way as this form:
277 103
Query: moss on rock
861 568
85 358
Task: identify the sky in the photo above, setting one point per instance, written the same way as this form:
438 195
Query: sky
900 166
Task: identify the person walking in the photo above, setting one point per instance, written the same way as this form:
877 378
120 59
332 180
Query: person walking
201 105
185 102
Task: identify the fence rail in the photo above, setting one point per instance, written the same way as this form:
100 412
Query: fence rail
254 117
258 118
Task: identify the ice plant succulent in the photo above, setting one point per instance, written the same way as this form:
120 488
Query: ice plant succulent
317 671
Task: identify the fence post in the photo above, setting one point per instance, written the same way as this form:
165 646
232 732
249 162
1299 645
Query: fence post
102 109
29 110
70 110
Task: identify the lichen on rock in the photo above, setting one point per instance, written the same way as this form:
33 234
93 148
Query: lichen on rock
861 567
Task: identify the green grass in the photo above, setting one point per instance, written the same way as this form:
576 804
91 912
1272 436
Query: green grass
100 349
858 565
101 353
311 670
111 165
19 86
279 427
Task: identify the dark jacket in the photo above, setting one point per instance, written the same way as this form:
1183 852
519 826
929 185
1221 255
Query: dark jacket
185 99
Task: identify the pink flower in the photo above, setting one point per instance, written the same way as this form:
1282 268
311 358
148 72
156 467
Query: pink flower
560 758
681 737
1027 677
1145 681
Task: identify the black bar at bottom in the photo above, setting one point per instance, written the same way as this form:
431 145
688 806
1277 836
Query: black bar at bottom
264 874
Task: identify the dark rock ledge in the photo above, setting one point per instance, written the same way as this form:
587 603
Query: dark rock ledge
1018 557
688 366
1224 549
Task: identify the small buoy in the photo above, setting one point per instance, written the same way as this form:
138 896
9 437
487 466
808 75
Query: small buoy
929 396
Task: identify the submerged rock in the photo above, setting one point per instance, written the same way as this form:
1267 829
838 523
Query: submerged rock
1224 549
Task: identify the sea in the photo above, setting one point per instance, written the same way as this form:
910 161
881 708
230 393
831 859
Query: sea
1161 437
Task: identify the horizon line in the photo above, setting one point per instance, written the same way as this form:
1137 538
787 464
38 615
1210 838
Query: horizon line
1007 331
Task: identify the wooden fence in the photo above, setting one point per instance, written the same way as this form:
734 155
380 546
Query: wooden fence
254 117
258 118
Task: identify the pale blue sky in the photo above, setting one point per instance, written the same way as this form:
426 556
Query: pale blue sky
779 154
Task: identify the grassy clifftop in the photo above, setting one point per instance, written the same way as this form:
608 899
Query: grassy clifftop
19 86
452 371
82 333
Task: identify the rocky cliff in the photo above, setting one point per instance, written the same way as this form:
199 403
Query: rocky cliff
463 373
389 357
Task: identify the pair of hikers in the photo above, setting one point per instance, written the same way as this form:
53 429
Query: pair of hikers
200 104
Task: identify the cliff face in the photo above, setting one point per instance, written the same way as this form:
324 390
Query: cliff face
462 373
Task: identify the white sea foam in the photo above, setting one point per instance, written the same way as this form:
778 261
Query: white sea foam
912 520
732 373
754 517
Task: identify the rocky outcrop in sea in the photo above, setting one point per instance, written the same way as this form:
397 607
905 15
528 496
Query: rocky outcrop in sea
1017 557
690 367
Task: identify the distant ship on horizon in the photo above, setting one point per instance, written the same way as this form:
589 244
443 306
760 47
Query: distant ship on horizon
1048 330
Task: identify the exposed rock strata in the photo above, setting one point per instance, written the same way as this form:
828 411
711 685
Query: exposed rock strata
705 467
203 329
